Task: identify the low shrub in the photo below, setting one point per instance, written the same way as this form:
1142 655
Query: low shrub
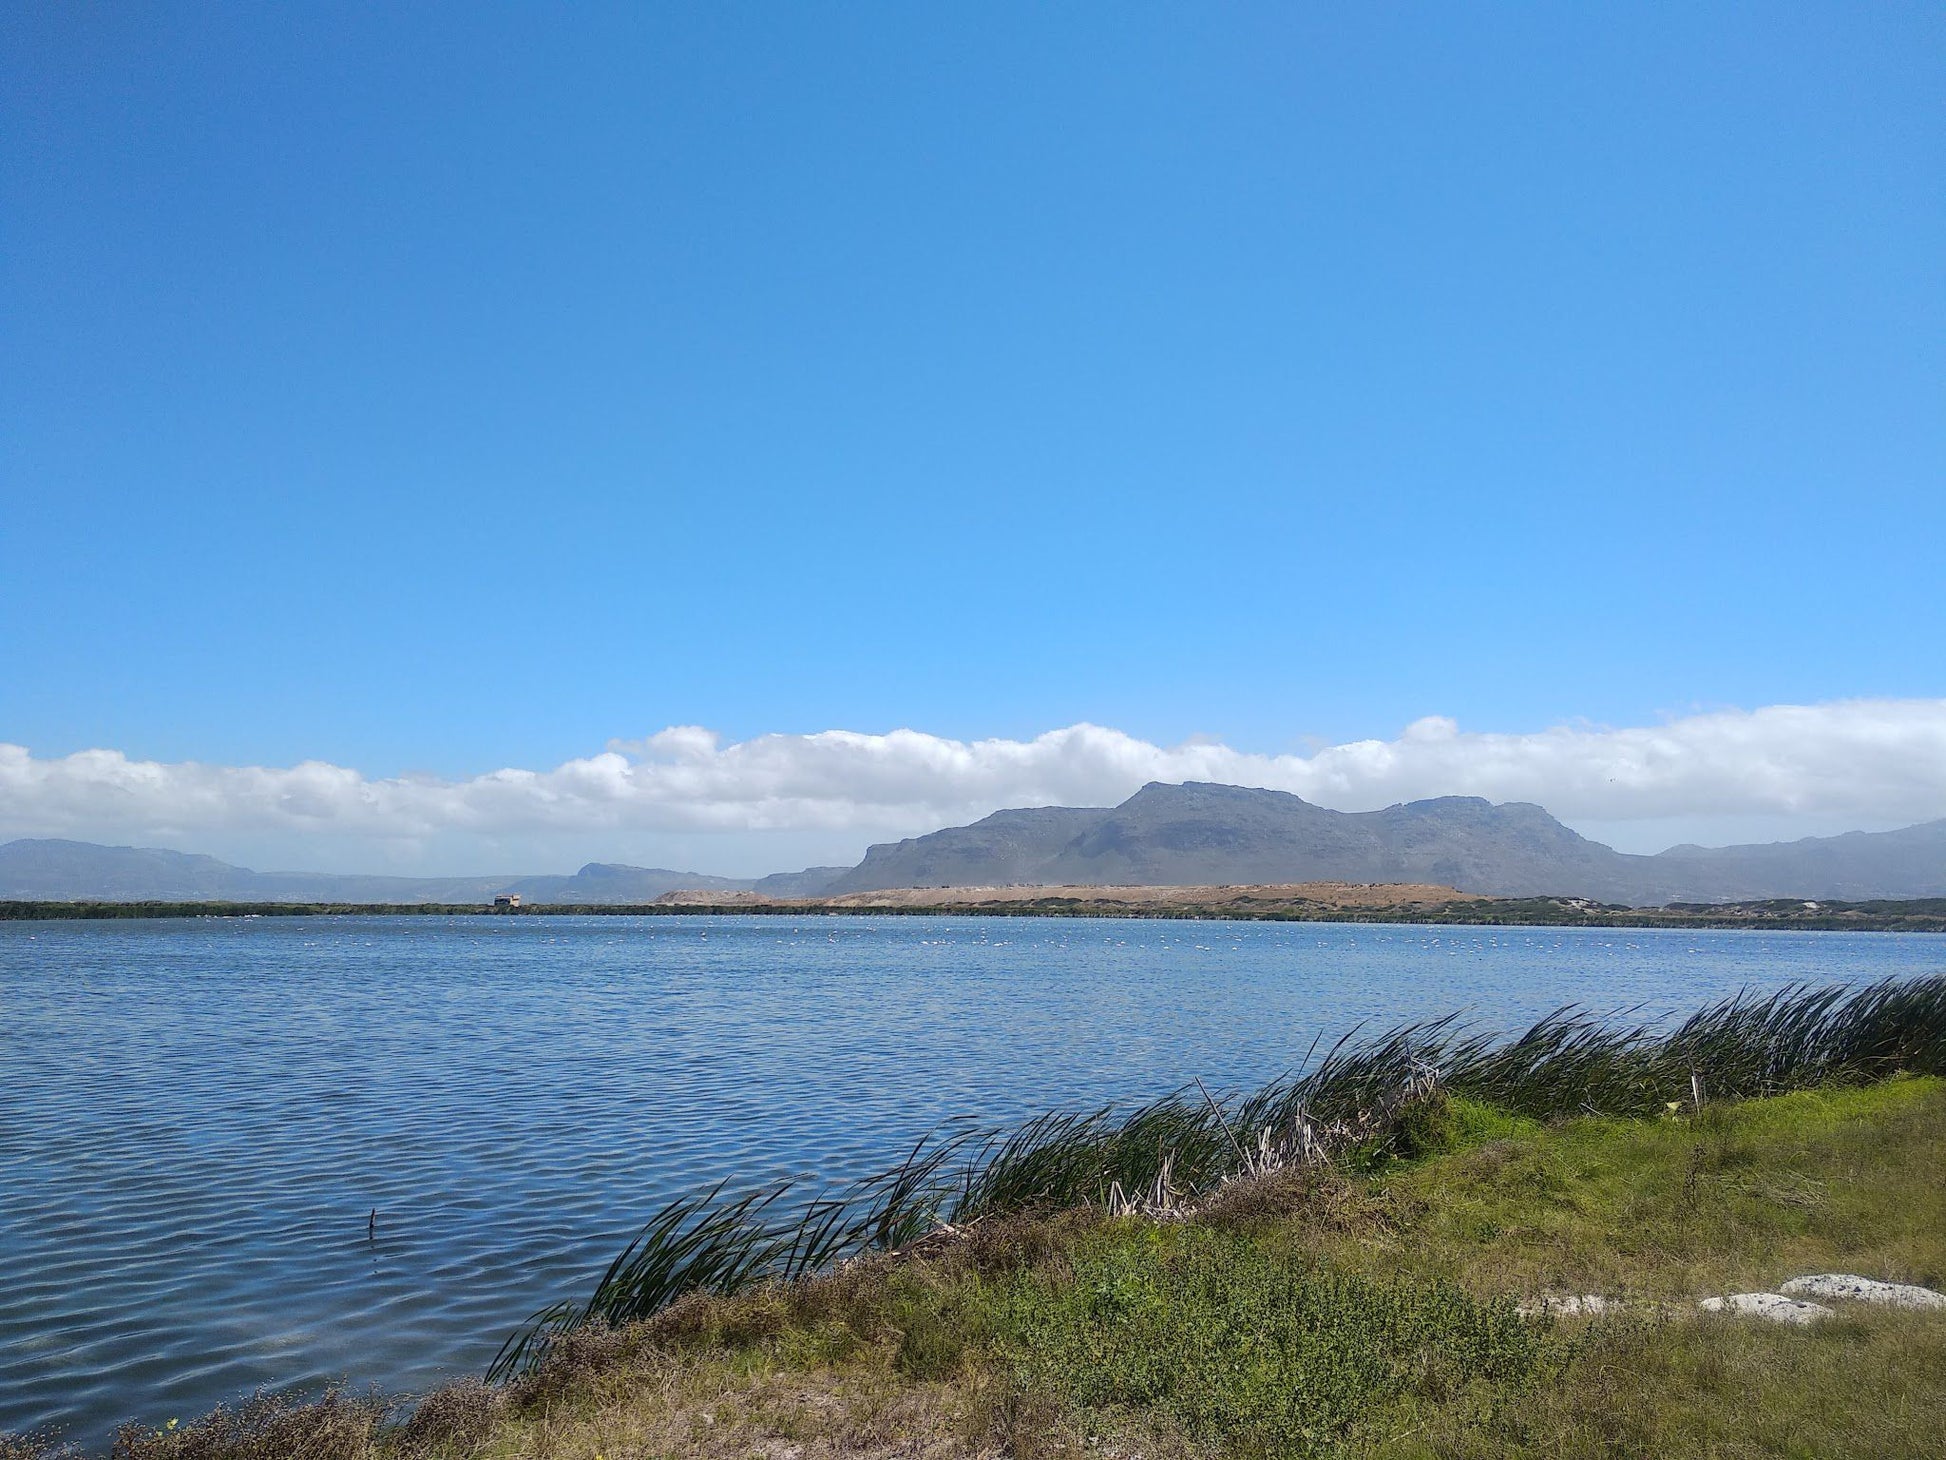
455 1417
1269 1355
336 1426
35 1447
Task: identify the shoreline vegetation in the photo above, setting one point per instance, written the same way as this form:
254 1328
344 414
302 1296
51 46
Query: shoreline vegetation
1304 902
1346 1262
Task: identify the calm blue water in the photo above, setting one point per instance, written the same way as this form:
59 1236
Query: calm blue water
197 1117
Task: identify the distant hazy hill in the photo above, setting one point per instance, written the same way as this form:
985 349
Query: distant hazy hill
1189 835
1856 866
1004 848
1199 834
811 882
615 882
62 870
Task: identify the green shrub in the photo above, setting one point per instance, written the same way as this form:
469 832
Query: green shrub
1238 1344
1426 1127
1475 1123
930 1348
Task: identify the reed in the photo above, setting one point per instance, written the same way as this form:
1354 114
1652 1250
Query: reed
1173 1152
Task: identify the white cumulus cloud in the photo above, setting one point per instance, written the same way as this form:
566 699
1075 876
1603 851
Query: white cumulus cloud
1859 762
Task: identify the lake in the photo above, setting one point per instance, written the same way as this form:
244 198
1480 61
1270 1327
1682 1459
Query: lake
200 1117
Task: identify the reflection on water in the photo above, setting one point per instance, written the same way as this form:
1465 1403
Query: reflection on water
201 1118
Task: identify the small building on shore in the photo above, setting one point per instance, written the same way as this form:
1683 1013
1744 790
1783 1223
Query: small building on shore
507 901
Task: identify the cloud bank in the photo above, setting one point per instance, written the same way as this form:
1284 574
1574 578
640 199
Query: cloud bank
1855 762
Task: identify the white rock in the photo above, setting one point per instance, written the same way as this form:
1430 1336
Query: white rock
1849 1287
1567 1307
1774 1306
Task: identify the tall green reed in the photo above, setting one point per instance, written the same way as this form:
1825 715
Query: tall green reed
1175 1150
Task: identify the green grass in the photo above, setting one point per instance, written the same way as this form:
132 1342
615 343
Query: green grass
1403 1093
1309 1311
1863 1385
1326 1312
1257 1348
1739 1197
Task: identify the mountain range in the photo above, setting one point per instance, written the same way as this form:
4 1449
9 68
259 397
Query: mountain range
1195 834
1202 834
53 870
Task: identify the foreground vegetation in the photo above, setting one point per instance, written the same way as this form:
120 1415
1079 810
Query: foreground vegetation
1329 1267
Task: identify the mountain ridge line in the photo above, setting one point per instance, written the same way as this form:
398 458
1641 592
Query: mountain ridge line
1188 835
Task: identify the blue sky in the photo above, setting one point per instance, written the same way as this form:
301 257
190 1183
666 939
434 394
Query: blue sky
427 390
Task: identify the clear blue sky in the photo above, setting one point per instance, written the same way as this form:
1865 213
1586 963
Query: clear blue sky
440 388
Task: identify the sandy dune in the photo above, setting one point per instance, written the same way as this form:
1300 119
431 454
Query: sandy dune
1310 894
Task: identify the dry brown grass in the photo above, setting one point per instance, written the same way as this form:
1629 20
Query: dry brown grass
455 1419
712 1407
1320 1199
338 1426
1002 1243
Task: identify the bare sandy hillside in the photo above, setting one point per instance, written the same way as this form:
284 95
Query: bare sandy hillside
1310 894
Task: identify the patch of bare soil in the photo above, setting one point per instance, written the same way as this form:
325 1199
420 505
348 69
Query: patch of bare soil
1255 897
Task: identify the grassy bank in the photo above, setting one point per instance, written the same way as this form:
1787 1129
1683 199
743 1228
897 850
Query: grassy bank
1330 1266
